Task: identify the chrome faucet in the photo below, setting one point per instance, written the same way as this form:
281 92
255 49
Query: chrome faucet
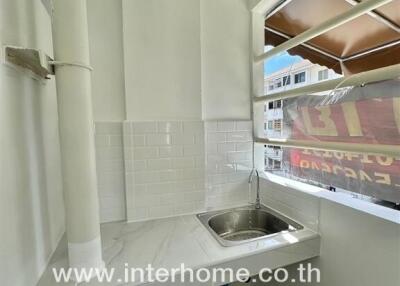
255 171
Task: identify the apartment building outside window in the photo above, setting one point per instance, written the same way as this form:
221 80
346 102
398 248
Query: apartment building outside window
275 111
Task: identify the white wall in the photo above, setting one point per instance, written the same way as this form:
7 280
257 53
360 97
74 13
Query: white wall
187 59
106 56
225 59
184 59
31 203
165 60
357 248
162 59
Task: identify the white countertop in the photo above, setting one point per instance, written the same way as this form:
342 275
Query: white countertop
171 241
345 199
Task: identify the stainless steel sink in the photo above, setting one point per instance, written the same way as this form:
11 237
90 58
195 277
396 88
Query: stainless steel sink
240 225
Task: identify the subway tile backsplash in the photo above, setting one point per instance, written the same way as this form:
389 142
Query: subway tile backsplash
228 163
156 169
164 168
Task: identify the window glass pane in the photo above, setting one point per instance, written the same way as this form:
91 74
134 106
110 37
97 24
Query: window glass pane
278 125
271 85
286 80
271 105
323 74
300 77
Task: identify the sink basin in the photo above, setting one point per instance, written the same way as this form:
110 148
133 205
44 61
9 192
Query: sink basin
240 225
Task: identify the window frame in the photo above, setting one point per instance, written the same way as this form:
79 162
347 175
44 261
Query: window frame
323 72
297 74
270 124
287 81
257 75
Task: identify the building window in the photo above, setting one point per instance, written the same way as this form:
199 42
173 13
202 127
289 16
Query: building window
323 74
277 164
278 125
270 125
278 83
274 104
272 164
286 80
300 77
265 126
271 85
270 105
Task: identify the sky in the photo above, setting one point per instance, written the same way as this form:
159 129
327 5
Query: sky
280 61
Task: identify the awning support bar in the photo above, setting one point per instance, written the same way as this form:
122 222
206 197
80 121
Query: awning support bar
378 17
278 8
304 45
370 51
326 26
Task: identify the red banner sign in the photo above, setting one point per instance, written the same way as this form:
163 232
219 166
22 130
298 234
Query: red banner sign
357 116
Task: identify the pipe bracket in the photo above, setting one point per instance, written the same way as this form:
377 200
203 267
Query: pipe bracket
75 64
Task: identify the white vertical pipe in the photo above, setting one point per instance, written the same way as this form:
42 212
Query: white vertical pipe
71 45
